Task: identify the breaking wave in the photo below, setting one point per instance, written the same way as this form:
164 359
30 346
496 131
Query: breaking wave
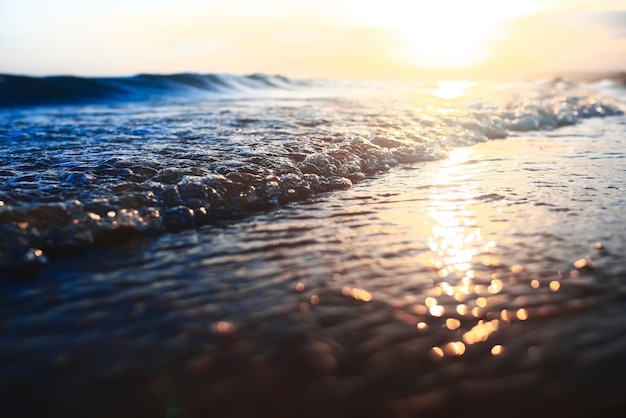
17 90
76 177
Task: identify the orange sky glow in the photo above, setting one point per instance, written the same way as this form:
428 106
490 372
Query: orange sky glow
323 38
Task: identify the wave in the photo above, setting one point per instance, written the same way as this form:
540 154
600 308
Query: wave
75 178
22 91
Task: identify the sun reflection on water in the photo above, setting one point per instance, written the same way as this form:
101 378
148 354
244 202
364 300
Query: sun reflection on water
455 238
472 291
452 89
457 247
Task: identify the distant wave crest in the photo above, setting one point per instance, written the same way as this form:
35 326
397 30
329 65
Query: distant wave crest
18 90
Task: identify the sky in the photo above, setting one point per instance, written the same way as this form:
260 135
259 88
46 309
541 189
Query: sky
358 39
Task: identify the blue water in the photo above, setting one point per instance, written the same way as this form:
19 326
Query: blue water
18 90
216 245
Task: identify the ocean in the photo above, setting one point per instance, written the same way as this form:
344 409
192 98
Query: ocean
213 245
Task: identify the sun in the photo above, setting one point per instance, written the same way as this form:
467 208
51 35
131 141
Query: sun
443 33
446 42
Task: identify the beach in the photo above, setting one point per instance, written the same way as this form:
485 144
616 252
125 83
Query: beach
316 254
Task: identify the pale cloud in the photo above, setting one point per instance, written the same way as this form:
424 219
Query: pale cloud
613 20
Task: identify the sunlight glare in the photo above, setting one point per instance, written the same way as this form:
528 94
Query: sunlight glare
446 33
452 89
459 155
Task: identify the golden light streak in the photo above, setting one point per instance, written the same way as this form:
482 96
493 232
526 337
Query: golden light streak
517 269
437 310
495 286
462 309
505 315
481 331
360 294
447 289
92 216
453 323
497 350
491 261
437 352
456 348
579 264
451 90
555 285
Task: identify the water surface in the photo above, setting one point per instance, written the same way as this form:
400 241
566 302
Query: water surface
324 256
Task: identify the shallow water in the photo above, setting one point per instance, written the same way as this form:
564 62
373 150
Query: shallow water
485 284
